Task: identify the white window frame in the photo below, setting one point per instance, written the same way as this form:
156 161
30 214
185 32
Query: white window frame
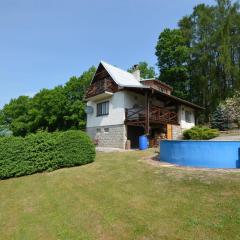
188 116
102 109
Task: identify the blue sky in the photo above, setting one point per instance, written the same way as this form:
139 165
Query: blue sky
44 42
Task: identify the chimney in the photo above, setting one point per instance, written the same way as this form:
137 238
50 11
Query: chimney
136 72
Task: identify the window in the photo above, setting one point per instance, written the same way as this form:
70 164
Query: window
188 116
106 130
102 108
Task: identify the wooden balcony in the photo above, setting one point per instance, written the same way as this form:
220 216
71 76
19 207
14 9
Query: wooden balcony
99 87
157 115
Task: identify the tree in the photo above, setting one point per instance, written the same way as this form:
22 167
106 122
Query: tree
47 110
60 108
75 90
201 58
146 71
218 119
227 112
232 108
172 53
14 115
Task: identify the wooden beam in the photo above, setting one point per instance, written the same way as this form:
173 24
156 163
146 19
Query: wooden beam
147 113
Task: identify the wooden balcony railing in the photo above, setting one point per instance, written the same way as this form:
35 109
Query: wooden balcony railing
104 85
163 115
137 116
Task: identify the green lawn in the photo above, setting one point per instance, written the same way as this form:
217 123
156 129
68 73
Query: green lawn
121 197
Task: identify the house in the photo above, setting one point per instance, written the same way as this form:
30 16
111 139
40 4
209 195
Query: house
121 106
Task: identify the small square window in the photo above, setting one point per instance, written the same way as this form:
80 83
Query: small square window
98 130
106 130
102 109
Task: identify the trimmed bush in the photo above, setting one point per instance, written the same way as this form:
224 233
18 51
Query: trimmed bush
200 133
44 152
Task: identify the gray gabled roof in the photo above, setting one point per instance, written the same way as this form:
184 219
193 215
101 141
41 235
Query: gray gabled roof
121 77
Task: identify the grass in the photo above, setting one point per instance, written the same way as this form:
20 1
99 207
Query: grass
121 197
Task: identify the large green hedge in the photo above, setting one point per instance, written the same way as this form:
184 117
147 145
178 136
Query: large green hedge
200 133
44 152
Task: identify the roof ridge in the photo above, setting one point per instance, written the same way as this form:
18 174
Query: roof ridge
105 63
120 76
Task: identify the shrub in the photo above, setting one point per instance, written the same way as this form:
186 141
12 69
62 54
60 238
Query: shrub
44 152
200 133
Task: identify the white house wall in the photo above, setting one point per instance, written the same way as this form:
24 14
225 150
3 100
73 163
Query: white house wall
110 130
131 99
181 116
116 112
125 99
117 104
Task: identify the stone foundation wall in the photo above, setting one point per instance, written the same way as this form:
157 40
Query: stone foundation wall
177 132
109 136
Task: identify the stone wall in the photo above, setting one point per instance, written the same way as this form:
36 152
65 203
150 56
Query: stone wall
177 132
108 136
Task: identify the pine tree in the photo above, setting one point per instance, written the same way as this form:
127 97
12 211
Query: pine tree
218 118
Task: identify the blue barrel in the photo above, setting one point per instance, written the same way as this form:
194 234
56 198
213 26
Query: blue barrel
143 142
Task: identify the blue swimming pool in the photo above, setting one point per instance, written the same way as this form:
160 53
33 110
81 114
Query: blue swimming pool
209 154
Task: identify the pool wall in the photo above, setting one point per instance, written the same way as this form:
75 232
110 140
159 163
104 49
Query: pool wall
209 154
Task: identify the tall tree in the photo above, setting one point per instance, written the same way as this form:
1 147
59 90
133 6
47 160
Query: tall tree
75 90
146 71
47 109
14 115
172 53
211 36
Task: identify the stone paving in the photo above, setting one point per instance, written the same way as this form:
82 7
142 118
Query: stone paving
227 138
109 149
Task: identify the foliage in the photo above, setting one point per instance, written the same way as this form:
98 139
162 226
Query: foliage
200 133
4 131
15 115
172 53
75 90
227 112
206 49
61 108
146 71
232 108
218 118
47 110
44 152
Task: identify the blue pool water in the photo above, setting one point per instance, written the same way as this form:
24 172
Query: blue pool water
209 154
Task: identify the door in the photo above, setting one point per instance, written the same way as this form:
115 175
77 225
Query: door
133 134
169 131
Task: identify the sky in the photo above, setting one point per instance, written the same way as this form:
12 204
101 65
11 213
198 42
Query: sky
45 42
